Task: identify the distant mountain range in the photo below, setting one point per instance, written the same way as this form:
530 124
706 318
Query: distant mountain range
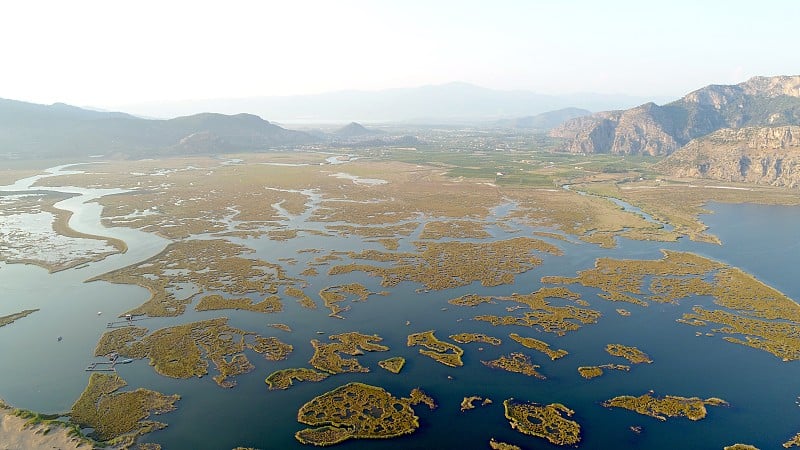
30 130
748 132
454 102
36 131
546 120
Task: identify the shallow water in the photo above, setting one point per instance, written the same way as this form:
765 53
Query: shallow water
43 374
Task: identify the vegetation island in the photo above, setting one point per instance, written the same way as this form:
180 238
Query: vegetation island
358 411
549 422
660 408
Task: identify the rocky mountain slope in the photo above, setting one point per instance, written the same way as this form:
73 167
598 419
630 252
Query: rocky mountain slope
763 155
660 130
36 131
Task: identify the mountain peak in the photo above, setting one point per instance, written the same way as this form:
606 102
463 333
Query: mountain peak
65 130
355 129
788 85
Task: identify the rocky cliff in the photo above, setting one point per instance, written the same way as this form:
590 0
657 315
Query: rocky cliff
660 130
763 155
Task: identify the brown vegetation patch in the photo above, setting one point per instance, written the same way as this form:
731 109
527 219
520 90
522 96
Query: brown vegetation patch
548 318
356 411
693 408
11 318
467 338
394 365
680 204
119 416
216 302
632 354
590 218
183 351
540 346
283 379
333 296
545 421
456 229
440 351
758 315
517 363
210 265
590 372
443 265
327 356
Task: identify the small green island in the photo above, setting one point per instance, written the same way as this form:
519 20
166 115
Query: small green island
515 362
632 354
283 379
394 365
440 351
468 338
11 318
693 408
590 372
539 346
183 351
358 411
469 402
327 355
499 445
549 422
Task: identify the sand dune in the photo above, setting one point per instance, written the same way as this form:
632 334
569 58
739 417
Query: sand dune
14 435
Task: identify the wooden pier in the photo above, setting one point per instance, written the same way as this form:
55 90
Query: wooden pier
127 321
107 366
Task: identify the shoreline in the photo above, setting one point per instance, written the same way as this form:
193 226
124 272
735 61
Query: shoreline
18 433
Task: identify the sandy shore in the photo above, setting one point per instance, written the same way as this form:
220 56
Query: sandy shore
14 435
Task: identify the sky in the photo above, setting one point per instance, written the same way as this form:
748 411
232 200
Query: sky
105 53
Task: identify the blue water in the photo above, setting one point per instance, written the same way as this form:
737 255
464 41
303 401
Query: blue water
42 374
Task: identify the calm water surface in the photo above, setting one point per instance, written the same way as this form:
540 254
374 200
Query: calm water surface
43 374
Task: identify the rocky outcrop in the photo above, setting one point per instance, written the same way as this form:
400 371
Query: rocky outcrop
763 155
589 134
641 130
660 130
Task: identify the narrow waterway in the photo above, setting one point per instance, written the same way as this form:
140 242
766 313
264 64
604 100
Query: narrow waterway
40 372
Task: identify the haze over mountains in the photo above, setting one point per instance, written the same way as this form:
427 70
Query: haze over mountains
425 104
546 120
747 132
59 130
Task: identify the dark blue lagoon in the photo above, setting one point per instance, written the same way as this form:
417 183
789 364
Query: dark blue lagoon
44 374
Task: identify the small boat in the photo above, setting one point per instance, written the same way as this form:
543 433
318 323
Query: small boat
99 313
59 338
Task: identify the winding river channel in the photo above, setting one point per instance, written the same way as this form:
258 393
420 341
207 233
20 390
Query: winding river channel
45 374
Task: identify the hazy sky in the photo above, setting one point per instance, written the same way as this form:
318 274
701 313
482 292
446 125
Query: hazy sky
109 52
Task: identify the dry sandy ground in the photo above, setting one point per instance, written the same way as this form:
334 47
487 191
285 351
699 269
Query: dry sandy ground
15 436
